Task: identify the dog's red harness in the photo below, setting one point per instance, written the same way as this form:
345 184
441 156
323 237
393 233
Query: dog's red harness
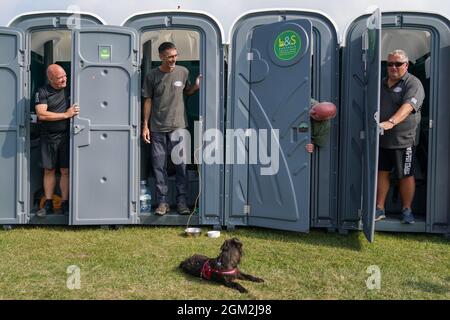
207 271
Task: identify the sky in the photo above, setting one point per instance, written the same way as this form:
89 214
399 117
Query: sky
342 12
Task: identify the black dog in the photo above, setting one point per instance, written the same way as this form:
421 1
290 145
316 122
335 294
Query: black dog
223 269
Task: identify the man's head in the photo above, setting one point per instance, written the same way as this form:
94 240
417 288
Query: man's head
323 111
397 64
168 54
57 77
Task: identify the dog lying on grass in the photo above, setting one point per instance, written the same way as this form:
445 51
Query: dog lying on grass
223 269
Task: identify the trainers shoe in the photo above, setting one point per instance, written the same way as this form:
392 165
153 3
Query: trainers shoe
65 207
183 209
48 208
407 216
379 214
162 209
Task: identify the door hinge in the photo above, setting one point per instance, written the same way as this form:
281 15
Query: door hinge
168 21
399 21
365 48
22 58
134 217
23 217
135 61
22 131
21 207
246 209
250 56
431 124
362 135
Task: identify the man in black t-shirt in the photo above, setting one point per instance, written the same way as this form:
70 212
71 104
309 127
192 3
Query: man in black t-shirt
54 111
402 95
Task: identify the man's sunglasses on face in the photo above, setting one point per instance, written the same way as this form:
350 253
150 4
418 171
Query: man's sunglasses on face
397 64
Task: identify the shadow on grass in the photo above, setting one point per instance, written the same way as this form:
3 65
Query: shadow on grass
214 284
417 237
429 287
354 240
66 228
319 237
316 237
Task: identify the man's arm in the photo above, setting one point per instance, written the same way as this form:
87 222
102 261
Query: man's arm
147 114
194 88
45 115
402 113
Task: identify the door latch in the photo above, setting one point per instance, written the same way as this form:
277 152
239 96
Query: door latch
303 127
78 128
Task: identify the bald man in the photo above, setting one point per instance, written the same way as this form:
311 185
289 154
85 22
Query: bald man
54 111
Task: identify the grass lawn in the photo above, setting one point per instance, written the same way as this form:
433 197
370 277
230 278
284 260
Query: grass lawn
142 263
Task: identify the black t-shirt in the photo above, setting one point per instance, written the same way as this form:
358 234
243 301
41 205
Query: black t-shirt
57 101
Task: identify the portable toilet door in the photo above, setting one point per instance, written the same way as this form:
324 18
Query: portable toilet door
105 84
360 125
12 127
268 170
205 36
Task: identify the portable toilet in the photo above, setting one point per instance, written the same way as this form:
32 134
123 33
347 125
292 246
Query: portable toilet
28 45
426 39
278 60
198 38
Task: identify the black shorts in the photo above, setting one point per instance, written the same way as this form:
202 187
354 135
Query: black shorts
55 150
402 161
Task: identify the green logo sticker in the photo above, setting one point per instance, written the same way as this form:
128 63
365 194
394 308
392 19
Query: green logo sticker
105 53
287 45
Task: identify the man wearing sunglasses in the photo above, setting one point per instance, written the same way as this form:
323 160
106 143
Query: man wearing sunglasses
402 95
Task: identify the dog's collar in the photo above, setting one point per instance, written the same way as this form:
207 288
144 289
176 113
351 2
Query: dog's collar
207 271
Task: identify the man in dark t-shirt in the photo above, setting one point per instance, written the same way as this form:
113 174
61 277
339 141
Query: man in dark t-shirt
402 95
54 111
164 114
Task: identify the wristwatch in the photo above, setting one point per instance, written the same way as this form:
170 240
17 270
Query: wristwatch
392 121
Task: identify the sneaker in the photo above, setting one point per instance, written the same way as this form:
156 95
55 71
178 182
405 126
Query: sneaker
48 208
162 209
379 214
65 207
407 216
183 209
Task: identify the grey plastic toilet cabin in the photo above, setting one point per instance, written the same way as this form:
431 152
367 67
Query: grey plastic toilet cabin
265 92
211 111
357 187
333 189
15 160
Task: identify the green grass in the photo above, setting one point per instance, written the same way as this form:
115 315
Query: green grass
142 263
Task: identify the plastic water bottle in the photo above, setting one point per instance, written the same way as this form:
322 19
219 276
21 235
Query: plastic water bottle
145 198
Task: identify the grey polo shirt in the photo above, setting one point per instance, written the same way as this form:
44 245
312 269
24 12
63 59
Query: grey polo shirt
408 89
166 91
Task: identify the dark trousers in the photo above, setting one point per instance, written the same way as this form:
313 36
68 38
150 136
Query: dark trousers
161 147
